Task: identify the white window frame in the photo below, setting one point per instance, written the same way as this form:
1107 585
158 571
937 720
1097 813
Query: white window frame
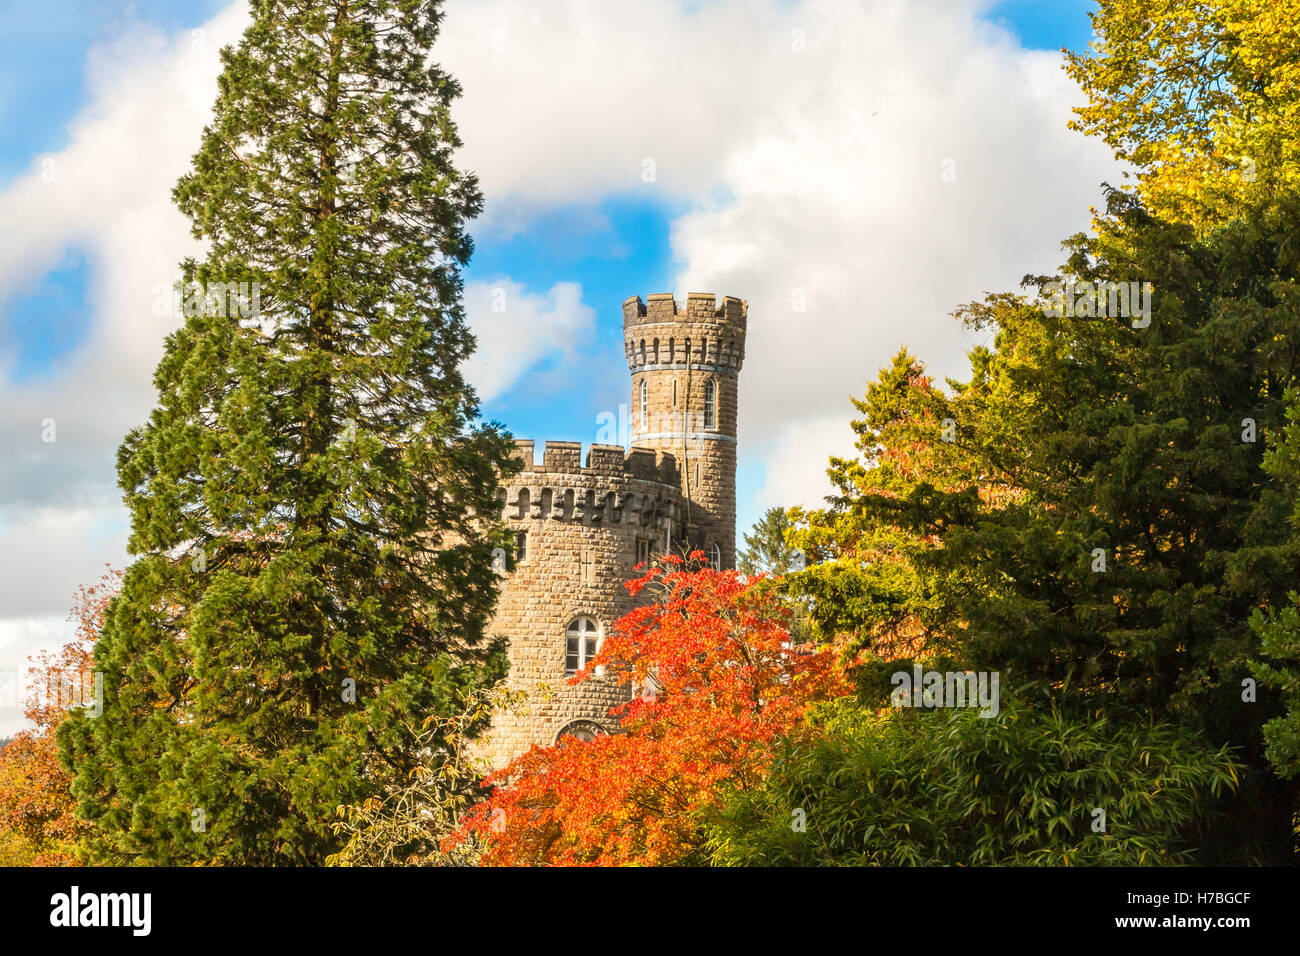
574 630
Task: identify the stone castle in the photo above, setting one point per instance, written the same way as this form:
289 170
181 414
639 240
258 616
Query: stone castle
580 529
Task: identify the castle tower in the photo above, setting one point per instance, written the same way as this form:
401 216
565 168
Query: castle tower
582 528
685 364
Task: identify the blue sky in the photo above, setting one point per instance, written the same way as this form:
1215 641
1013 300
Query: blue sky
778 171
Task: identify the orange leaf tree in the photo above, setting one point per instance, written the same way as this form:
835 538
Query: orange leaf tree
717 679
38 825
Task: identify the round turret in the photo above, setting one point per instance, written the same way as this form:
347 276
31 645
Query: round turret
685 365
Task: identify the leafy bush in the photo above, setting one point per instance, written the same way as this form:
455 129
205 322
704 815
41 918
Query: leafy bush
948 787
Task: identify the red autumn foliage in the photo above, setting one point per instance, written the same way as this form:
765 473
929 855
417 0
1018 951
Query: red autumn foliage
719 679
38 826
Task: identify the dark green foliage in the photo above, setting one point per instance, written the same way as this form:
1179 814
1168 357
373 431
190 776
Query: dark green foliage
1130 440
1278 629
948 787
307 498
1279 633
976 549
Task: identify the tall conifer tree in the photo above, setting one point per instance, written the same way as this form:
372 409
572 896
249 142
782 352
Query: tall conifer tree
310 498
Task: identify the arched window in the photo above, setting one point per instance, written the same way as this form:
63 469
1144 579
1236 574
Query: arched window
581 641
581 730
710 404
645 406
715 557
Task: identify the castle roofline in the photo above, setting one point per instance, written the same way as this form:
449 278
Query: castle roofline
565 458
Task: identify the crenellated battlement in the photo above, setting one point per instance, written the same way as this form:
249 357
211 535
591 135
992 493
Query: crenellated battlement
706 332
565 458
638 487
645 504
700 307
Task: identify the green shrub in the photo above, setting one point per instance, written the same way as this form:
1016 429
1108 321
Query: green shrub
948 787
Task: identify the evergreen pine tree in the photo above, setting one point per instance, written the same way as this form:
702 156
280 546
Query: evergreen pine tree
311 499
766 550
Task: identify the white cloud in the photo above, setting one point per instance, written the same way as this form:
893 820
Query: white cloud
819 170
926 162
516 329
18 637
50 552
802 449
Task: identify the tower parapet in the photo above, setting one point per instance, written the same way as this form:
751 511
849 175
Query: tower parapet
565 457
660 334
